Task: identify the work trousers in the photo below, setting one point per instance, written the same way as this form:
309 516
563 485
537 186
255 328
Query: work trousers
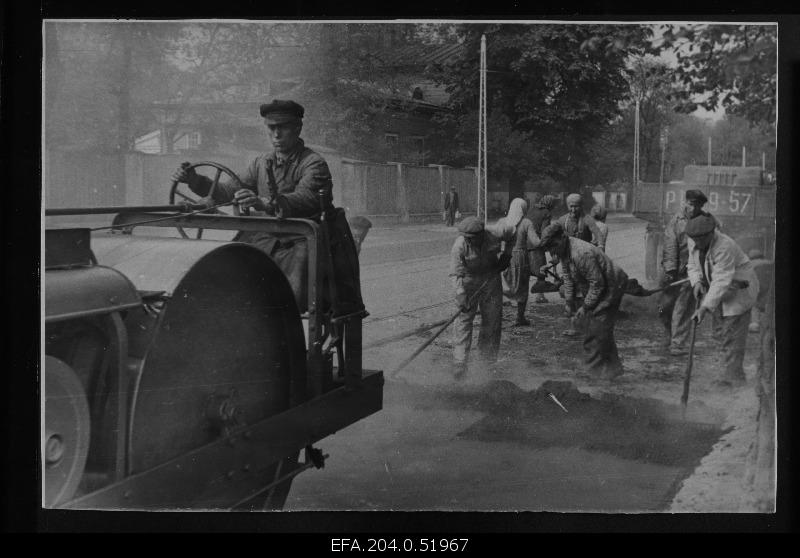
491 309
599 345
675 311
731 333
291 254
450 217
292 259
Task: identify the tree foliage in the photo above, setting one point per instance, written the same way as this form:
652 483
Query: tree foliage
551 90
730 66
98 79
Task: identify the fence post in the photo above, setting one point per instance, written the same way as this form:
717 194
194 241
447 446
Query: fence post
442 185
402 195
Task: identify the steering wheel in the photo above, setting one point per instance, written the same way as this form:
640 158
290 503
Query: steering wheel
173 191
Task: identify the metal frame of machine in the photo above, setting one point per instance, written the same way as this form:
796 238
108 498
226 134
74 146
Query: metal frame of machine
329 400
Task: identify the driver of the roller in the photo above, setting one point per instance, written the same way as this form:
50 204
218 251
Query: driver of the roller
301 189
302 180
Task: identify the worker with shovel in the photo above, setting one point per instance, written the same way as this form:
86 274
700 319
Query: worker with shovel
587 268
722 274
476 261
676 304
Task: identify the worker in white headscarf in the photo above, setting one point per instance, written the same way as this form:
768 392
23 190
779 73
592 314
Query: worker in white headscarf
516 278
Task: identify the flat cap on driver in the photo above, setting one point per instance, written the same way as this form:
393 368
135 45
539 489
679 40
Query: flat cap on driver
280 112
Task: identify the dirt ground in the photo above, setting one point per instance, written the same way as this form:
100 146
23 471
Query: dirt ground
539 353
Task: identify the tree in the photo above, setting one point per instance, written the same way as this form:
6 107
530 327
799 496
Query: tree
97 78
552 89
730 66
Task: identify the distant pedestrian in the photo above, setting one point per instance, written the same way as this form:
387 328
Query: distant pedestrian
586 268
451 211
676 304
725 285
476 261
516 278
598 213
540 216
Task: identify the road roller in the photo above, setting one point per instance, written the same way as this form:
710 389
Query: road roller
178 372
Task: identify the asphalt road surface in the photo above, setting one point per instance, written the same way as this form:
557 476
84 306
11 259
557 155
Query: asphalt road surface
441 445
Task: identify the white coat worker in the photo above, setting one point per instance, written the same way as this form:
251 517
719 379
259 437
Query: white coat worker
476 261
726 286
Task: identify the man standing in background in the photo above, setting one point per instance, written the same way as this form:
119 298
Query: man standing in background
451 206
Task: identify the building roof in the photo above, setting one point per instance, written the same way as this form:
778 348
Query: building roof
424 55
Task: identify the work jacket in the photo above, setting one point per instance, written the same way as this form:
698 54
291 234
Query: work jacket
584 227
451 201
675 255
540 216
470 266
725 262
587 268
300 176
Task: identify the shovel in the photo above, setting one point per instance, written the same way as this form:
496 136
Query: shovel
474 299
688 377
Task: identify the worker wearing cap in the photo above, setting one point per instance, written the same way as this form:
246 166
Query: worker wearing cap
676 304
476 261
540 216
589 269
302 189
725 285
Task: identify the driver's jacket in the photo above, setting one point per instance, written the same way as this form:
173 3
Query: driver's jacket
300 177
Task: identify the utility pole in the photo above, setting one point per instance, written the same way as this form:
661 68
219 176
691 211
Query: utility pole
636 145
744 156
709 151
482 205
664 138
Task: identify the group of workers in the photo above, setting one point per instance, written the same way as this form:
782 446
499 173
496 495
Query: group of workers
488 262
492 260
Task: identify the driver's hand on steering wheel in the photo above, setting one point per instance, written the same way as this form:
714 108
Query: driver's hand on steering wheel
185 174
247 198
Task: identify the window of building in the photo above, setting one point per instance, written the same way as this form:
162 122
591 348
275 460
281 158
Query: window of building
392 145
193 139
418 146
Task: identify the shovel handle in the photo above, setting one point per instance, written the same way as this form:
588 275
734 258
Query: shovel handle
688 377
